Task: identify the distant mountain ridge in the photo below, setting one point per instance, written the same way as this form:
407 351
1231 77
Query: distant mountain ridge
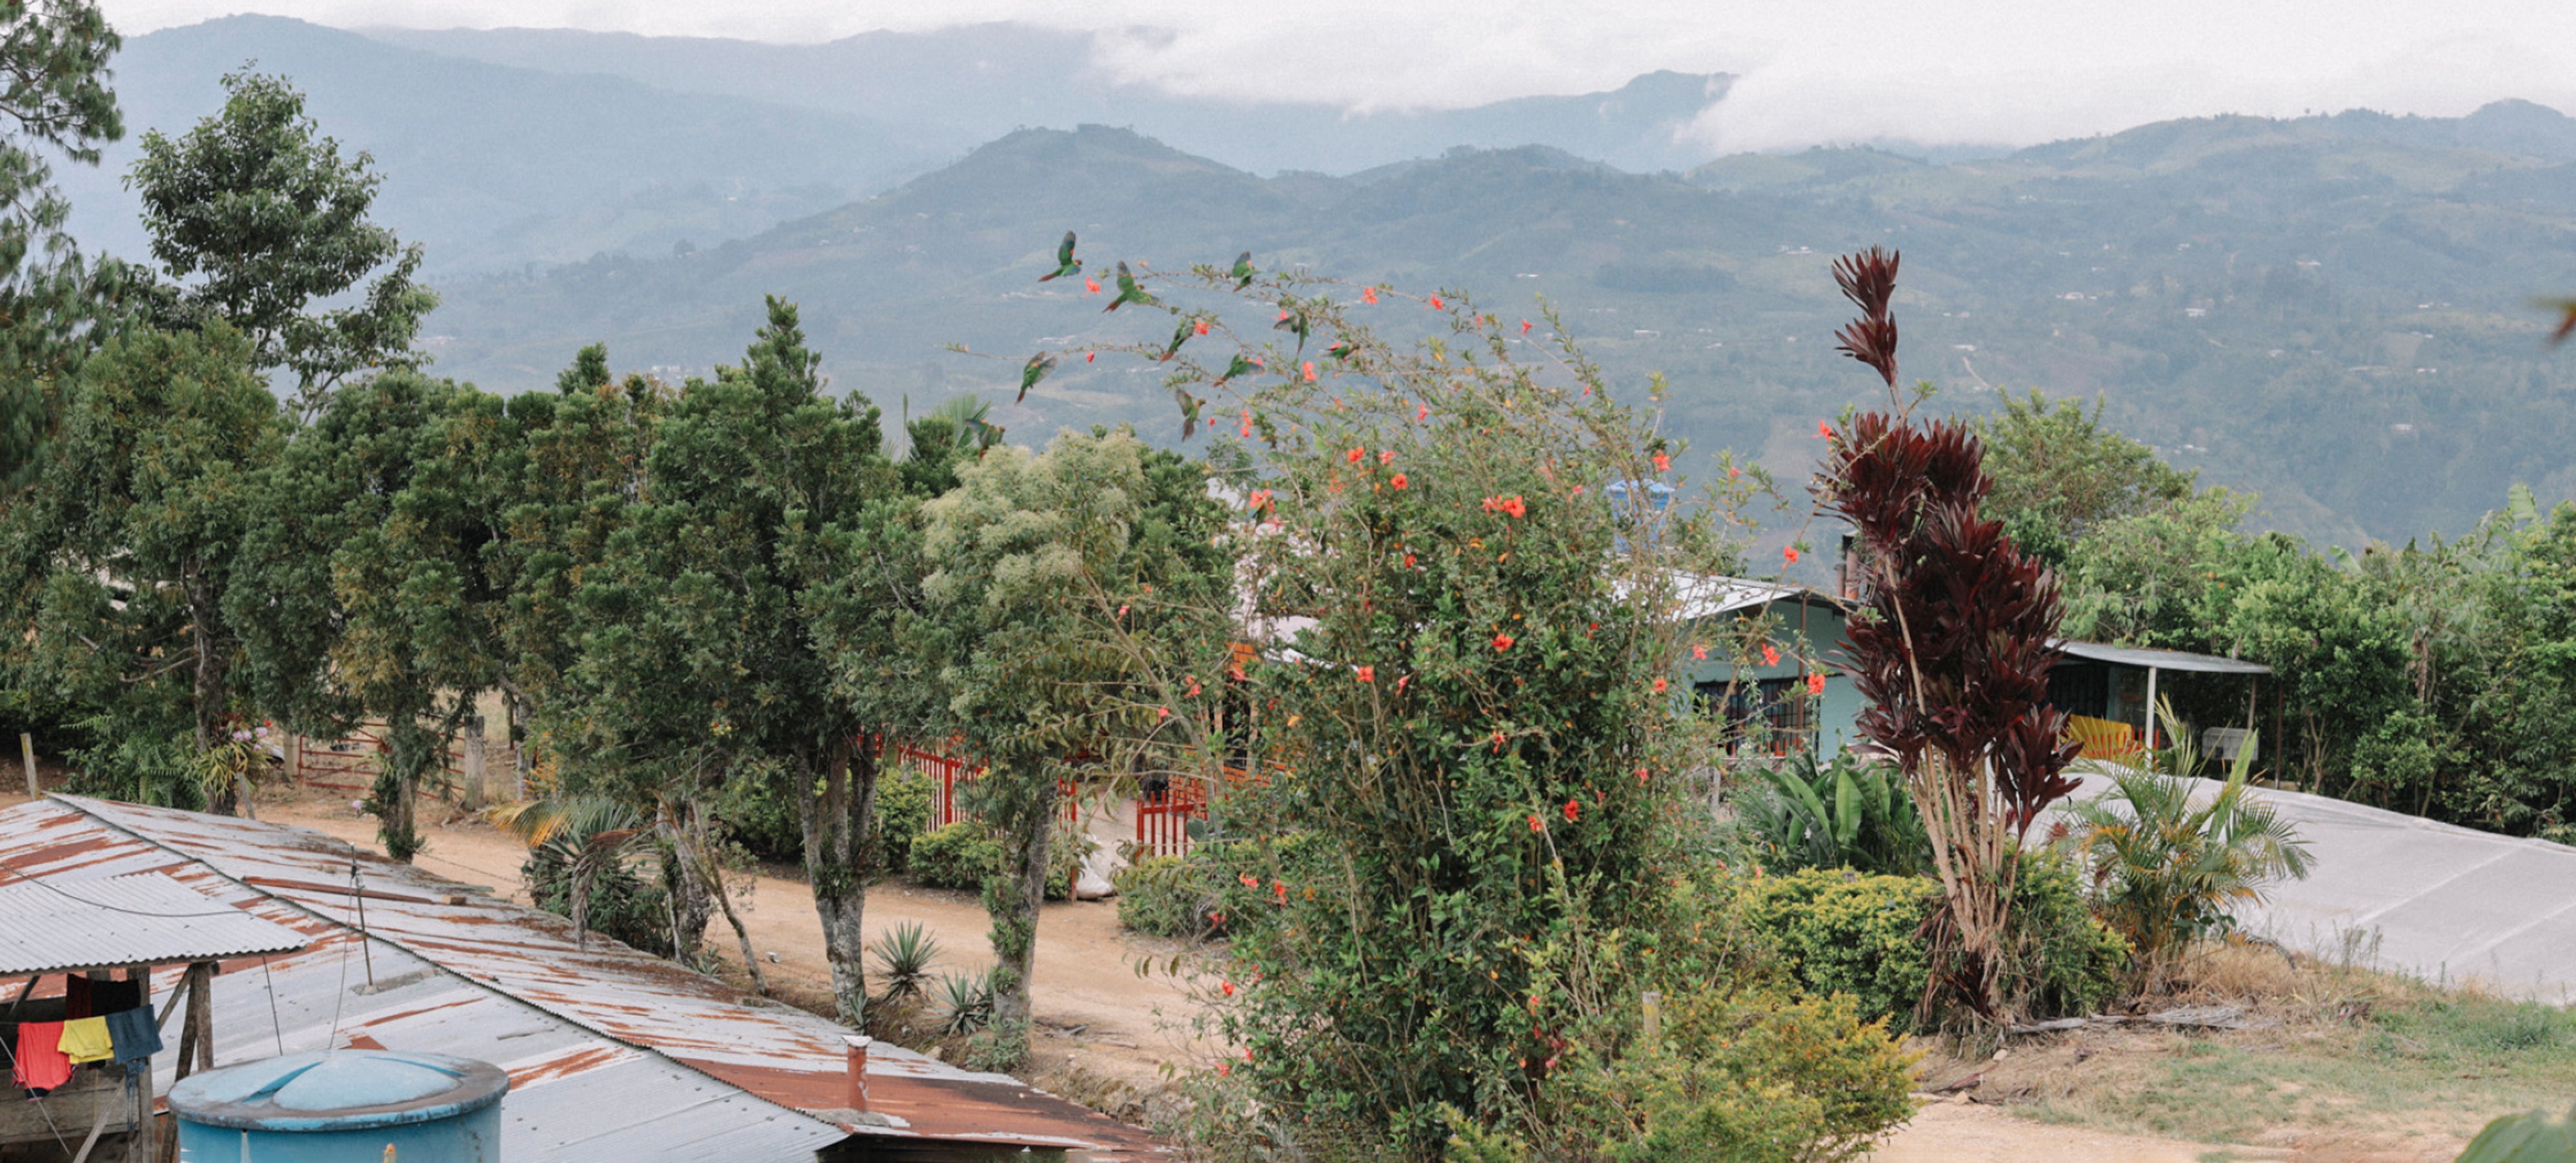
2333 311
967 85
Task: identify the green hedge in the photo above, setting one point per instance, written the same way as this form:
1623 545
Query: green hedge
1167 896
958 856
1836 931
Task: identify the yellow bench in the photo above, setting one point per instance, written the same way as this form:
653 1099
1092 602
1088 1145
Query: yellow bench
2104 739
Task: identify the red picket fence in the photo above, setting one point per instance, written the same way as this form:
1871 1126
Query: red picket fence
1163 818
954 772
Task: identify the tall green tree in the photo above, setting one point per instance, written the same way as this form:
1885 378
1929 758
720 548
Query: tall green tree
1076 625
256 216
376 592
56 106
123 554
2058 472
696 664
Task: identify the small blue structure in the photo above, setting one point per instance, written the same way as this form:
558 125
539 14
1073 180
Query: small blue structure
1772 700
342 1106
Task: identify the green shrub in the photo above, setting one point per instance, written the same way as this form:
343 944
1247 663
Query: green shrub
1836 931
760 816
1839 932
2064 961
1737 1078
136 766
958 856
1167 896
905 800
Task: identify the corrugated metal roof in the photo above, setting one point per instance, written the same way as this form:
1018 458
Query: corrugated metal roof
2142 656
614 1056
1709 596
145 919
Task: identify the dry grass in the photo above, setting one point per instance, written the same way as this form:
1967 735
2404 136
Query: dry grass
2376 1065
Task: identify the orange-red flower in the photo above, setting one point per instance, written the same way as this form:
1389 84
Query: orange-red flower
1770 655
1536 824
1368 674
1824 430
1660 684
1421 412
1090 286
1355 455
1437 305
1525 326
1502 642
1308 367
1397 480
1790 552
1573 810
1202 327
1260 499
1386 456
1368 294
1816 683
1663 463
1699 650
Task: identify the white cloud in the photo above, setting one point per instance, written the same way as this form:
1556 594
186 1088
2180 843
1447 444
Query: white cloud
1813 70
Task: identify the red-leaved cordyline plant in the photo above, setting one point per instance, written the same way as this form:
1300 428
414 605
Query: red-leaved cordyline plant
1954 655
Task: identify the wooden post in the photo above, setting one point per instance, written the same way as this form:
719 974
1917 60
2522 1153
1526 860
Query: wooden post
473 775
27 752
201 1015
295 757
143 1144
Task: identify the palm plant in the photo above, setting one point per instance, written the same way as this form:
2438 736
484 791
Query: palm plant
2168 863
586 833
1848 813
904 956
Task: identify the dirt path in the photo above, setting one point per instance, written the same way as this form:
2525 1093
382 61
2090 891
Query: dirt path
1092 1006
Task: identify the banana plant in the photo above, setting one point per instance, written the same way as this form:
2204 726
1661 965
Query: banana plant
1848 813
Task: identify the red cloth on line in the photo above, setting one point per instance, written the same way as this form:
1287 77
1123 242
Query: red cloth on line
41 1062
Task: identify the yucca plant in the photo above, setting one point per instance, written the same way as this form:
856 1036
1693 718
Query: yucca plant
904 955
2167 862
965 1003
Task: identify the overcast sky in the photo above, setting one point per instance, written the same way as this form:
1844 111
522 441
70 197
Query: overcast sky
2002 71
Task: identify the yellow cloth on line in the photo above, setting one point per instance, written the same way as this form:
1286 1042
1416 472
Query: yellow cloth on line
86 1040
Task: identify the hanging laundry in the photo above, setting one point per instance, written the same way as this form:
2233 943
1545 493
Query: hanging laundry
136 1036
41 1065
76 1000
107 997
85 1040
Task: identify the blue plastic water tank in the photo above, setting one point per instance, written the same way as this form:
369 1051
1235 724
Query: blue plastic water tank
344 1106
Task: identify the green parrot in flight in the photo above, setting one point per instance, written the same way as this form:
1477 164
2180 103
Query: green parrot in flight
1243 271
1240 366
1038 367
1129 292
1065 263
1189 411
1180 335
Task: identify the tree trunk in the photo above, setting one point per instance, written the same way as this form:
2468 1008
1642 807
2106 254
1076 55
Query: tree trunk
690 907
206 686
398 784
1013 899
836 825
697 855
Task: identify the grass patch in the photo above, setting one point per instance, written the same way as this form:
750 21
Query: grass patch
2339 1050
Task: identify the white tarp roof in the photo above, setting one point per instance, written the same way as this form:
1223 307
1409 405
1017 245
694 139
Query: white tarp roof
2438 901
2150 657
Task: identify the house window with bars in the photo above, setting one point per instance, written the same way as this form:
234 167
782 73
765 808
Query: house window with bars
1772 717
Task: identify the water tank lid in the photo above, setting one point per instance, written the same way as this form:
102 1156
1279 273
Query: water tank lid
338 1090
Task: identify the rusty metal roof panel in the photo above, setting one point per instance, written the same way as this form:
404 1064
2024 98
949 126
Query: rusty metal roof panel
527 963
142 918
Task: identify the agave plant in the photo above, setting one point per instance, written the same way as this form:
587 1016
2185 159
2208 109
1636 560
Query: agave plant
904 955
2167 862
965 1003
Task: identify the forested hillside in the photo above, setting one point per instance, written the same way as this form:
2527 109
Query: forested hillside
2333 311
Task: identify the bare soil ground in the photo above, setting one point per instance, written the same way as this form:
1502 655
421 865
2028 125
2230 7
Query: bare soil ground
1111 1035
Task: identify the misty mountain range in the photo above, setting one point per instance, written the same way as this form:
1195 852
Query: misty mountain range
2332 310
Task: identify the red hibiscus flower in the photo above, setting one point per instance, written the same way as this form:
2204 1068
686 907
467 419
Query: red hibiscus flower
1502 642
